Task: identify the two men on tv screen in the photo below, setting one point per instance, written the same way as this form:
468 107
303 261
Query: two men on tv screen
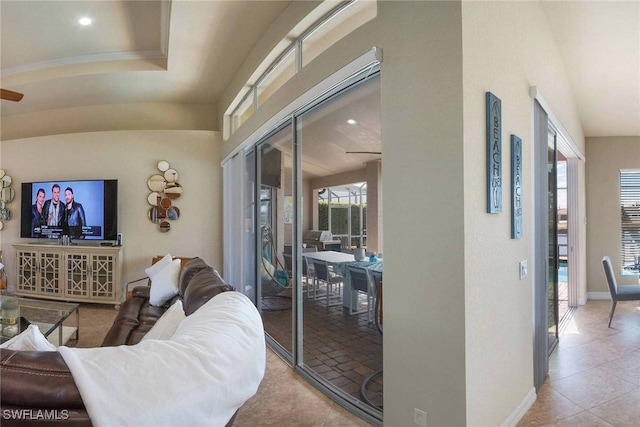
53 218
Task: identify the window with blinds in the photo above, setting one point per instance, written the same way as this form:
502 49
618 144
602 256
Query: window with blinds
630 217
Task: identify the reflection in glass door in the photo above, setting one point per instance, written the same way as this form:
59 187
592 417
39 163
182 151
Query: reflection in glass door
275 237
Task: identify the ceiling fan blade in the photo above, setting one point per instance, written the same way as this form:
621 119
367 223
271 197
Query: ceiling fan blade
364 152
10 95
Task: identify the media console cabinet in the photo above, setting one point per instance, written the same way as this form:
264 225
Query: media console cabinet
71 273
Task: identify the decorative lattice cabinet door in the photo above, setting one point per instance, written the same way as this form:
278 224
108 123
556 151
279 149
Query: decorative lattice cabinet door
27 271
82 273
78 275
49 277
103 283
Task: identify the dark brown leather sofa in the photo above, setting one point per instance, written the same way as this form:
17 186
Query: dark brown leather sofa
37 388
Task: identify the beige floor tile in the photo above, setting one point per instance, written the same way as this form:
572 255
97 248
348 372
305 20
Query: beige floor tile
284 399
592 388
565 362
549 407
622 411
583 419
600 351
626 367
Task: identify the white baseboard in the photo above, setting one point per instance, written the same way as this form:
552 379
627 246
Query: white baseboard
598 295
521 410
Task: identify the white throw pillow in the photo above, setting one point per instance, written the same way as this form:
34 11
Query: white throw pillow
164 282
30 339
167 324
155 268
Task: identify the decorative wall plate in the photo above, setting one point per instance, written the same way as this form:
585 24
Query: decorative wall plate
164 189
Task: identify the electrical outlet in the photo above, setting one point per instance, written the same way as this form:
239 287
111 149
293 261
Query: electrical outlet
419 417
523 269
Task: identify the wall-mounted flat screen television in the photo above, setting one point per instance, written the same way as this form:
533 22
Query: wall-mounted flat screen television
80 209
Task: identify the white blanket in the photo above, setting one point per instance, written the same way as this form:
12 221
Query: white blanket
200 377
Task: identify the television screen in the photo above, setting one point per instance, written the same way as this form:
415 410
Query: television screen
79 209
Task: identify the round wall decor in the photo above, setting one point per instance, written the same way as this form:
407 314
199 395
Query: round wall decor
165 189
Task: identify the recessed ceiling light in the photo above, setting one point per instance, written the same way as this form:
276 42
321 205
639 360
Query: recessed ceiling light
351 122
85 21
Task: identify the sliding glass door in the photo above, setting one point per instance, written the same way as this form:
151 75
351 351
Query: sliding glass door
274 192
562 219
552 230
340 149
317 321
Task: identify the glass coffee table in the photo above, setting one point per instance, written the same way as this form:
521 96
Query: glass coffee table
49 316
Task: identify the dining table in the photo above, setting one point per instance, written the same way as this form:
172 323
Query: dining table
340 261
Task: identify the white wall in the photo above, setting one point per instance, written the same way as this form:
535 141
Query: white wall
131 157
507 48
605 157
423 202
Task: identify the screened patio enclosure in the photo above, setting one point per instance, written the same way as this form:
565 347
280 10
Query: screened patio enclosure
343 211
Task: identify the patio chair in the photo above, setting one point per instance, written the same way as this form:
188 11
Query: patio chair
618 293
308 272
322 273
377 318
361 282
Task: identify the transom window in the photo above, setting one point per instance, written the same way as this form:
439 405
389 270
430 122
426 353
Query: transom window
298 51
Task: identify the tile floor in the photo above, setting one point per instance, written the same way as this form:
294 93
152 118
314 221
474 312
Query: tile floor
594 373
341 348
594 377
284 399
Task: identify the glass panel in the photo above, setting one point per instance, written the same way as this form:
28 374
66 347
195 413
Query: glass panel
249 246
337 27
552 286
275 233
563 237
343 211
630 221
339 218
243 112
279 75
339 140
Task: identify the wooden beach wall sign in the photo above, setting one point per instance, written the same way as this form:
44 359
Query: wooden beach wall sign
494 153
516 187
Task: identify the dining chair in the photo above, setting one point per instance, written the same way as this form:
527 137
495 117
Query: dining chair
618 293
308 271
377 319
322 273
361 282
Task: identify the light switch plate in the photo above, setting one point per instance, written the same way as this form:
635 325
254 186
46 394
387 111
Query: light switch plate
523 269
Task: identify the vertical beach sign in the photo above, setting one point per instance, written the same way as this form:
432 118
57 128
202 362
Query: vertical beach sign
494 153
516 187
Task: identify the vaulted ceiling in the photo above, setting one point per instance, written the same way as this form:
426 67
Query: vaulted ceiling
182 51
188 51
